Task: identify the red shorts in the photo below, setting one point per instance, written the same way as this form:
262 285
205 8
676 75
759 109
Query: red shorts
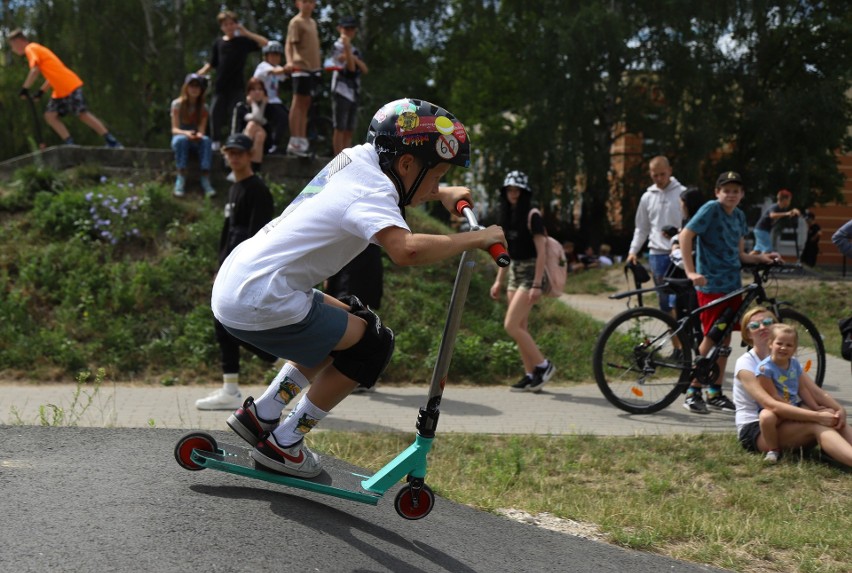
709 316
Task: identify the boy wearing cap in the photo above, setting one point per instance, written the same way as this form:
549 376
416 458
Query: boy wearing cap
776 212
66 89
345 83
713 263
269 71
249 208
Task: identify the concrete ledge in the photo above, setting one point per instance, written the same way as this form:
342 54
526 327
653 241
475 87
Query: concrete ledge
289 171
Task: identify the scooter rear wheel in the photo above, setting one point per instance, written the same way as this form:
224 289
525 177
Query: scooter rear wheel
193 441
414 506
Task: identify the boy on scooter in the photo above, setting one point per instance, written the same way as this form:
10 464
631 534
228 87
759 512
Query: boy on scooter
264 291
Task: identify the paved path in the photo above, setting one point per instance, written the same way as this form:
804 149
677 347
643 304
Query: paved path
494 410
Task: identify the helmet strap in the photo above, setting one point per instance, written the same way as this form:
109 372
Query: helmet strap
405 197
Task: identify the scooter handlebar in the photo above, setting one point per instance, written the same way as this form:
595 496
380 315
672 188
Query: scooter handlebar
498 251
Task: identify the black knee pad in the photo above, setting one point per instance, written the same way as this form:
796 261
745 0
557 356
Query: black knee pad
365 361
719 326
354 302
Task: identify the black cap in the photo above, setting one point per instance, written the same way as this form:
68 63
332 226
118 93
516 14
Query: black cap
348 22
729 177
238 141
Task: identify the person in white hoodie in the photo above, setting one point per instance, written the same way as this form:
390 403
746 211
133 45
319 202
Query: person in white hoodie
659 207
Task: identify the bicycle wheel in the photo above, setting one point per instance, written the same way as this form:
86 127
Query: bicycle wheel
320 134
811 351
640 364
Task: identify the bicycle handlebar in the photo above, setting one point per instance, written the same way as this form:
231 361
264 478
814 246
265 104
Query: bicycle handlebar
497 250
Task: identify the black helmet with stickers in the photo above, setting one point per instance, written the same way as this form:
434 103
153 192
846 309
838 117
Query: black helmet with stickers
517 179
419 128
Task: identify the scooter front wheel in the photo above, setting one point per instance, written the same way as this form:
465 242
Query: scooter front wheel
414 504
190 442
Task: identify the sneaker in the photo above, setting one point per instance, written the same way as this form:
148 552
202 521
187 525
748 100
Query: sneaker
695 403
298 149
522 385
721 402
541 376
180 186
772 457
220 400
296 460
209 191
363 390
113 143
248 425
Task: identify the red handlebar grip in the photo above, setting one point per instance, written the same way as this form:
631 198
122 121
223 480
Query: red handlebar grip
500 255
462 205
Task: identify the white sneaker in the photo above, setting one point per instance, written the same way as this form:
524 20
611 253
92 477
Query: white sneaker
220 400
362 390
296 460
299 149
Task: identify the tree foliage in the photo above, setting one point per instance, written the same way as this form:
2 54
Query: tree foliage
754 85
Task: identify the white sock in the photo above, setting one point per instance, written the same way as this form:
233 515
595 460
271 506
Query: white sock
301 420
286 386
543 364
231 383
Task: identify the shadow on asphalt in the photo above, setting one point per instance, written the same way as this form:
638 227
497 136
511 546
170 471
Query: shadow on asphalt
354 531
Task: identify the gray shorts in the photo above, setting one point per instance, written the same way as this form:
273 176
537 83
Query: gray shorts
308 342
345 113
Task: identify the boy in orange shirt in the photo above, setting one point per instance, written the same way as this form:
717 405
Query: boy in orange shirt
66 86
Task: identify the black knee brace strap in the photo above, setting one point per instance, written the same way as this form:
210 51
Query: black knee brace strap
365 361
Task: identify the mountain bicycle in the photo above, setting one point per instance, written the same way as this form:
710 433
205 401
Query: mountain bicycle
643 357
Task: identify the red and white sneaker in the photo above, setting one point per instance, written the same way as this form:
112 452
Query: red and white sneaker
247 425
296 460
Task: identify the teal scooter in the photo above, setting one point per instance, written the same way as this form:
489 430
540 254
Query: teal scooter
199 450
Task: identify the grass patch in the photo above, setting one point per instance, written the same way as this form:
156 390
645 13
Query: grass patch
696 498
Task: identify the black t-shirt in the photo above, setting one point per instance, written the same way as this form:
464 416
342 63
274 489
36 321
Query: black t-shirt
520 239
249 208
229 60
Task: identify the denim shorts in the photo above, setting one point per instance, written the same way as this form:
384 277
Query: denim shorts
762 241
308 342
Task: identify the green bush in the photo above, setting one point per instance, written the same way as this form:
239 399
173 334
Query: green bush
136 300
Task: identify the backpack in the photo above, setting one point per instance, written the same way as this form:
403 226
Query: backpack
555 264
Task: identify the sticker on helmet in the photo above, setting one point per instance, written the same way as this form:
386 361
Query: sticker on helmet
444 125
447 146
407 121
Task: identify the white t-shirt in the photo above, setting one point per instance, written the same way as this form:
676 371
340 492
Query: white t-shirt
263 72
267 281
747 407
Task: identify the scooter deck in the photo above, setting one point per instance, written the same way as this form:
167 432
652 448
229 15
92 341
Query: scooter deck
333 481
